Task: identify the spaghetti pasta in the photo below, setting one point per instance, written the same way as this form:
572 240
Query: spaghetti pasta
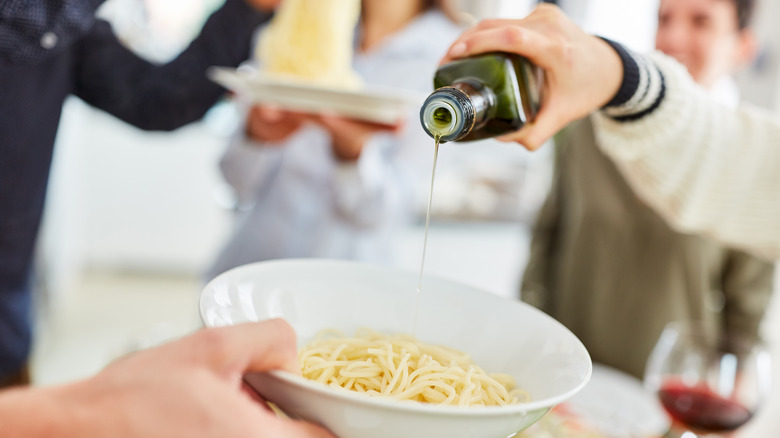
312 40
402 368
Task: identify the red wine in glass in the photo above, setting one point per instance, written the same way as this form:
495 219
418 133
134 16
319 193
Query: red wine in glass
701 409
709 381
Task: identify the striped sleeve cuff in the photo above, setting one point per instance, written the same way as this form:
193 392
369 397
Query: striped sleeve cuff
642 90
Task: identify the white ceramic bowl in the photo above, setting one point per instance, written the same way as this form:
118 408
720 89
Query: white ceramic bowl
501 335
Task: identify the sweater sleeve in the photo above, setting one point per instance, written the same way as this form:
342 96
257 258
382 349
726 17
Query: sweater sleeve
704 167
164 97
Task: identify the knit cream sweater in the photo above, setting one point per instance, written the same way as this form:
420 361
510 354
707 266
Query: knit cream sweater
704 167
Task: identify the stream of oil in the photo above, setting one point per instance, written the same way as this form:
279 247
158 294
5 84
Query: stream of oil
425 241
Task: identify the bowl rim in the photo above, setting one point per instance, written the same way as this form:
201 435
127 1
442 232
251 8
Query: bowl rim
403 405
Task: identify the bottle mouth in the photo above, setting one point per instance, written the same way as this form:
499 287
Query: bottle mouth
439 117
443 115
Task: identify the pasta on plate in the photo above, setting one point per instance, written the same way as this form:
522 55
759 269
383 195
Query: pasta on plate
311 41
402 368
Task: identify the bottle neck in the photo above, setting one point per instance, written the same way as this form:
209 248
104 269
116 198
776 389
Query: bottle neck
452 112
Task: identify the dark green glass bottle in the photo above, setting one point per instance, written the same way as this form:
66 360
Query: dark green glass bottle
482 97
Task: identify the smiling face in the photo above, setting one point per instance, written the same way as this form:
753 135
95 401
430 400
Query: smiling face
704 36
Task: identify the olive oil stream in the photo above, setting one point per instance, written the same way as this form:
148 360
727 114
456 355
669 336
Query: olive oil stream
436 139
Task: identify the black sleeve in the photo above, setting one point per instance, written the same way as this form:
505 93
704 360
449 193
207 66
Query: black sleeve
31 31
164 97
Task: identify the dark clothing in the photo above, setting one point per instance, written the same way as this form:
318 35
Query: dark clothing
613 271
99 70
19 378
31 31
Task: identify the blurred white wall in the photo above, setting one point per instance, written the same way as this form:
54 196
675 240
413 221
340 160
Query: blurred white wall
632 22
124 199
759 82
480 9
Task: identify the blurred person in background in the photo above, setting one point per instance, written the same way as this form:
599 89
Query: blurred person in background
50 49
609 267
327 186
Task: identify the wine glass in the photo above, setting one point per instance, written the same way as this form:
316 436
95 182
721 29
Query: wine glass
708 382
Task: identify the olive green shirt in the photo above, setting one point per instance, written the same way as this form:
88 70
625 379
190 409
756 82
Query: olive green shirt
611 270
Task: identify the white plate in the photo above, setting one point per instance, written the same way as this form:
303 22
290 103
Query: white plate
379 105
618 405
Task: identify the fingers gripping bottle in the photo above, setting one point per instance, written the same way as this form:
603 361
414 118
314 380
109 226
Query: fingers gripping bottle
481 97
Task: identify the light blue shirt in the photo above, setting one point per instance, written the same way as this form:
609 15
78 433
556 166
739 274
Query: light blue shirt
300 201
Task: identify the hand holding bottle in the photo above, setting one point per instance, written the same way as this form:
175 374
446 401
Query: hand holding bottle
582 72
